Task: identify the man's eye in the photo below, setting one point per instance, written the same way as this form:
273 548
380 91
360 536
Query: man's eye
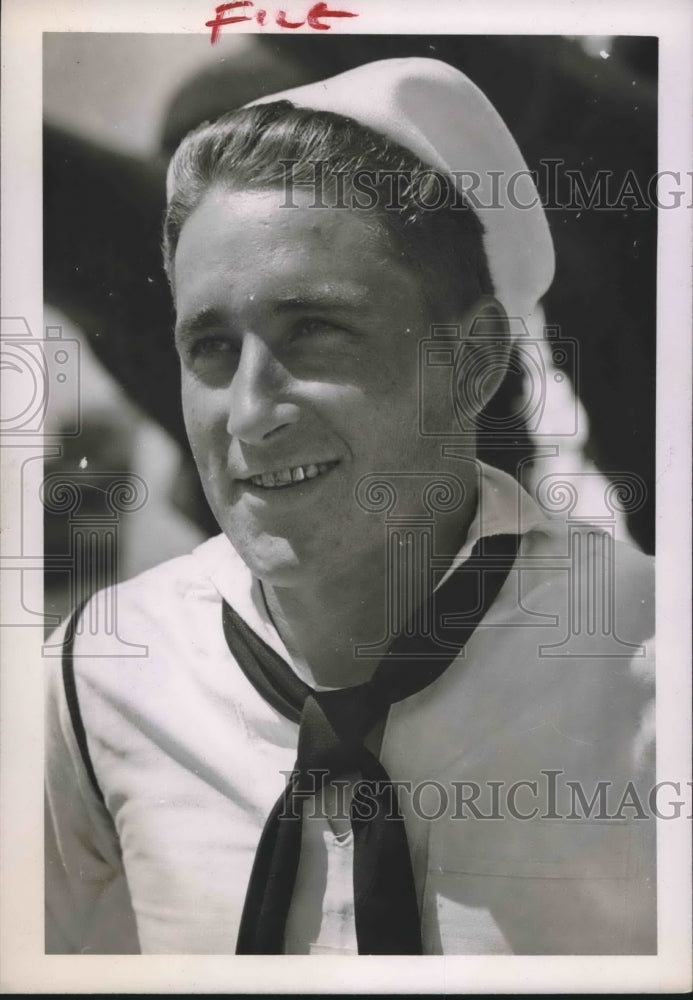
213 359
209 347
317 328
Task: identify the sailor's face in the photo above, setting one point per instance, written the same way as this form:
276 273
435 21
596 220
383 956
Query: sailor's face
298 332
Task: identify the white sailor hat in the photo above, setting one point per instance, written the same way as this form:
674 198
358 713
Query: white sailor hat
437 112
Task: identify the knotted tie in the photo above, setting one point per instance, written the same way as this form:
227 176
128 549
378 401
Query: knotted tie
332 728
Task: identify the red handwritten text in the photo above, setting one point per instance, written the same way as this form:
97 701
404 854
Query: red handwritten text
315 17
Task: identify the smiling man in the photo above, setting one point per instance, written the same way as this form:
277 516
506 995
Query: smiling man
349 738
299 332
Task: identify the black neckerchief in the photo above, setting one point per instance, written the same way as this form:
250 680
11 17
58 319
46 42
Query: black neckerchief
332 728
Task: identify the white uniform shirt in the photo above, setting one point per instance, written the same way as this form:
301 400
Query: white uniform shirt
553 687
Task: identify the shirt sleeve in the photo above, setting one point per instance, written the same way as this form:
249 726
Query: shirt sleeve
88 908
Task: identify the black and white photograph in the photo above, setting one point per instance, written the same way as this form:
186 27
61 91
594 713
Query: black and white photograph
345 439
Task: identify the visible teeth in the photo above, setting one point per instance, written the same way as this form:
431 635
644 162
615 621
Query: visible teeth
272 480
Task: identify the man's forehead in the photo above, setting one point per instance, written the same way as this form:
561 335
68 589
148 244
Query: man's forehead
304 251
278 209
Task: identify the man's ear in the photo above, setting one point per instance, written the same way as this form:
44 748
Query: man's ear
482 360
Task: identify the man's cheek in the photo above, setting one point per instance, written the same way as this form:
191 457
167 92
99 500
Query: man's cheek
204 419
191 412
208 451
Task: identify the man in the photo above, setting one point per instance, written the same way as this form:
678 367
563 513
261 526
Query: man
359 727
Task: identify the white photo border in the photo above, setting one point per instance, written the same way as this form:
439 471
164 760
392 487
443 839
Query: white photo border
24 967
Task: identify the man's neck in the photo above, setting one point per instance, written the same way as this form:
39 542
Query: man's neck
321 626
323 623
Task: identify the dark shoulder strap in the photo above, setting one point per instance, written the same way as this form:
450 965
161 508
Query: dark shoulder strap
70 687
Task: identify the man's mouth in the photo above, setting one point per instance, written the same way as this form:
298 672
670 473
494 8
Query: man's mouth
290 476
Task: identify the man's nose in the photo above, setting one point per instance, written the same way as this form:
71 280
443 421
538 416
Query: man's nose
257 408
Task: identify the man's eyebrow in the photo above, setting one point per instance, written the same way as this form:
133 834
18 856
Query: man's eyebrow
342 299
203 319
